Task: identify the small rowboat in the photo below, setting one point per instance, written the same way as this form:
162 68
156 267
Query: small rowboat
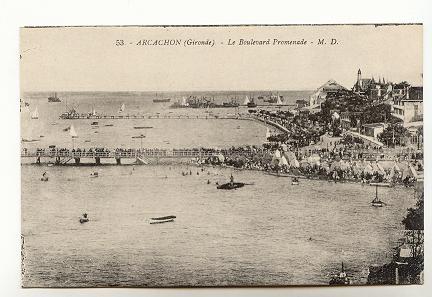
381 184
83 220
230 186
161 220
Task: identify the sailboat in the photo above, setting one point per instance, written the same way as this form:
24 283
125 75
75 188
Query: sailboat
376 202
35 114
268 134
279 101
340 279
122 108
93 112
54 98
246 101
72 132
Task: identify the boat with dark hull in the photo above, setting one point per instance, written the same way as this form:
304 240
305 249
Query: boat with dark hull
143 127
341 279
231 185
161 100
377 202
54 98
161 220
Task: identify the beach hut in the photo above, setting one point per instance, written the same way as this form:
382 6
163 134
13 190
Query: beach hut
221 157
283 161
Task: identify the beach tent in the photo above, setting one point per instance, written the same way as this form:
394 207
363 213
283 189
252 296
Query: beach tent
277 154
368 169
283 161
221 158
344 165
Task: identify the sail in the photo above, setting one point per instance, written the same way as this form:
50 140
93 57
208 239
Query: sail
246 101
72 132
268 134
184 102
284 161
122 108
93 111
279 101
35 114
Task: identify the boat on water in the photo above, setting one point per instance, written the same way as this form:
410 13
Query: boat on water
44 177
94 174
122 108
143 127
295 181
29 140
109 125
340 279
246 101
84 218
268 134
94 123
54 98
231 185
251 104
377 202
381 184
35 114
71 114
161 220
161 100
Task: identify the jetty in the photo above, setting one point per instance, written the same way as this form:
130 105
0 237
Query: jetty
62 157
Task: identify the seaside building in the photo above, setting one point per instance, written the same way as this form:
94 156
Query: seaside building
373 130
373 89
408 103
321 93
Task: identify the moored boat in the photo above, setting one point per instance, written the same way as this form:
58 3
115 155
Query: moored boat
340 279
143 127
231 185
54 98
161 220
381 184
377 202
35 114
84 218
161 100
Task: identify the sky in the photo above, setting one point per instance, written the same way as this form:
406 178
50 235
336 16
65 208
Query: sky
88 59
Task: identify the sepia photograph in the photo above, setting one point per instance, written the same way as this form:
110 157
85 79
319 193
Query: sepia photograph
221 155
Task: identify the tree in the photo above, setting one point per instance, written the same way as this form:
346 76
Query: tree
394 135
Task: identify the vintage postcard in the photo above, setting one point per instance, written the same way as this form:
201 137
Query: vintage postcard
201 156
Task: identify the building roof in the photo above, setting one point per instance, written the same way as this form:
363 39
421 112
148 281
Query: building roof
374 125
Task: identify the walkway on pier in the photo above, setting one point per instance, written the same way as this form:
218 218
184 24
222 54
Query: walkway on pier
119 154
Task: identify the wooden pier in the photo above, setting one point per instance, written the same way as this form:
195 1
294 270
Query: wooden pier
144 156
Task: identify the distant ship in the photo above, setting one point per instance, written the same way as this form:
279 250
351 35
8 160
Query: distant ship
35 114
161 100
54 98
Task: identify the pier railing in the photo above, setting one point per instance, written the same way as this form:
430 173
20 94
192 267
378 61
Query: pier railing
127 154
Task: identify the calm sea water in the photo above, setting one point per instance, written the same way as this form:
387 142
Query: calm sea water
268 233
